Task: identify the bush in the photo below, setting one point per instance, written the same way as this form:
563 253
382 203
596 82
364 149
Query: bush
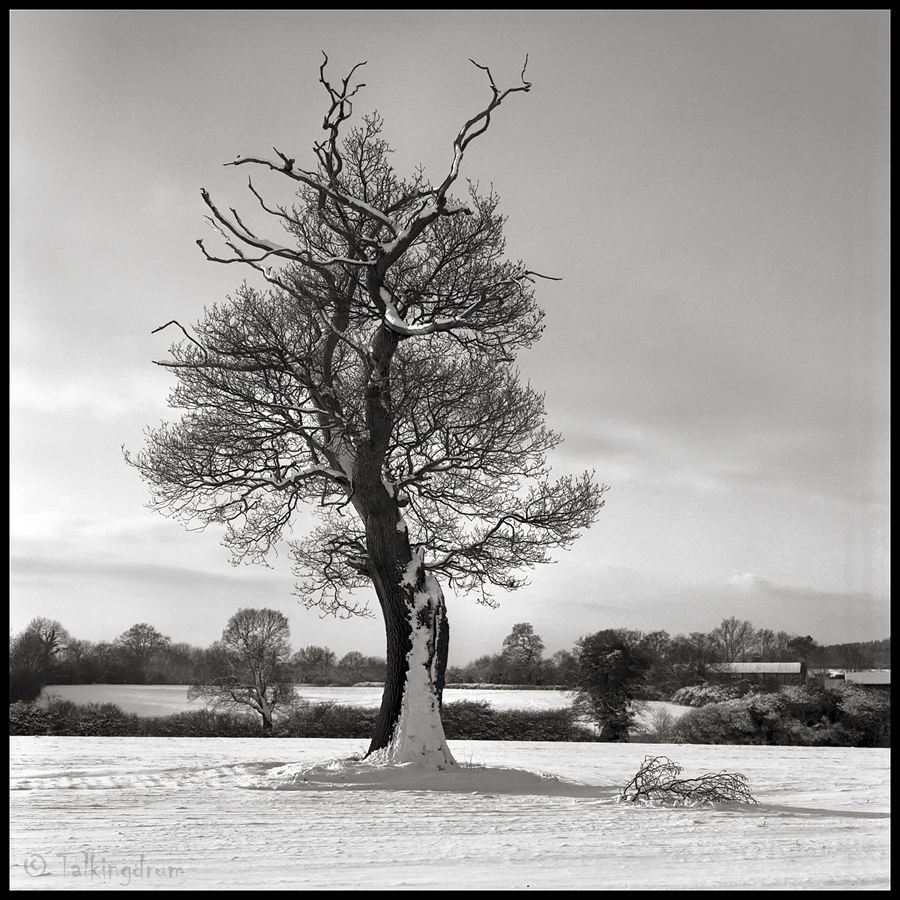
809 703
717 723
800 716
24 685
754 719
867 713
65 718
476 720
703 694
824 733
325 720
27 719
201 723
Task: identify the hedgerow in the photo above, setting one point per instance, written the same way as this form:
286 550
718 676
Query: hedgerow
801 716
476 720
63 717
463 720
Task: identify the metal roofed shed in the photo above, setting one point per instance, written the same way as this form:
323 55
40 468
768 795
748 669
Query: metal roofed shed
881 677
761 668
778 672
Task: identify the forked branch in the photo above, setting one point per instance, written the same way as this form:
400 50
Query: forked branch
478 124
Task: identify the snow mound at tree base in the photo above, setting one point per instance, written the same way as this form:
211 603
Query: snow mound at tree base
335 775
352 774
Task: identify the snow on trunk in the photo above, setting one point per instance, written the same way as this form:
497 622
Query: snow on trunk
418 735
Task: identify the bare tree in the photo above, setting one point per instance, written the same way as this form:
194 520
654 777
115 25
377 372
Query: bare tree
485 669
690 659
375 379
735 637
250 665
39 646
851 656
353 665
565 665
782 646
140 644
764 645
34 657
106 657
314 662
522 653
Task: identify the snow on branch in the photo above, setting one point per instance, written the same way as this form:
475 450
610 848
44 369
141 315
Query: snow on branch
244 234
396 323
331 474
308 178
435 202
340 110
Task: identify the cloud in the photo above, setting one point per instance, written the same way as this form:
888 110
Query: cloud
53 570
111 395
800 460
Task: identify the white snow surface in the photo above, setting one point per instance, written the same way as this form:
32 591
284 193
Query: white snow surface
230 814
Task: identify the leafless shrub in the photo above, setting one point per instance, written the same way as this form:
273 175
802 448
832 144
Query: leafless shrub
662 722
657 783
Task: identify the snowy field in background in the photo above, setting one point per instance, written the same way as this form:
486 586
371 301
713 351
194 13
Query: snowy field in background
219 814
167 699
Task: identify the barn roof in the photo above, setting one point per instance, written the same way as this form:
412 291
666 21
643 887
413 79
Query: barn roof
880 677
761 668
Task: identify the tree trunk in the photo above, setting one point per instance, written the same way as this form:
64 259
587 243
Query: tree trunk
443 647
265 710
408 728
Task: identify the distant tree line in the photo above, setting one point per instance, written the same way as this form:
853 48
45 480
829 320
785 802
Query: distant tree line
46 653
672 662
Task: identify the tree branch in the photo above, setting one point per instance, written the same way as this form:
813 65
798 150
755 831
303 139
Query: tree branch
309 179
469 132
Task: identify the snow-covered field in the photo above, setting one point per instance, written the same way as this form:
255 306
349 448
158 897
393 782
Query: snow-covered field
167 699
203 814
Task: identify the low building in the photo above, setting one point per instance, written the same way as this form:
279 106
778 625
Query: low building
876 679
765 672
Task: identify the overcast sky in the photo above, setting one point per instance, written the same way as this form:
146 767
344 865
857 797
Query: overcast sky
711 186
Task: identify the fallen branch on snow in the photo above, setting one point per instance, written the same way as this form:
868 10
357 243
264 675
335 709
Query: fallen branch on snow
657 783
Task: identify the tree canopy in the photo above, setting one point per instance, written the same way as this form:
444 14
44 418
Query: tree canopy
373 378
250 665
